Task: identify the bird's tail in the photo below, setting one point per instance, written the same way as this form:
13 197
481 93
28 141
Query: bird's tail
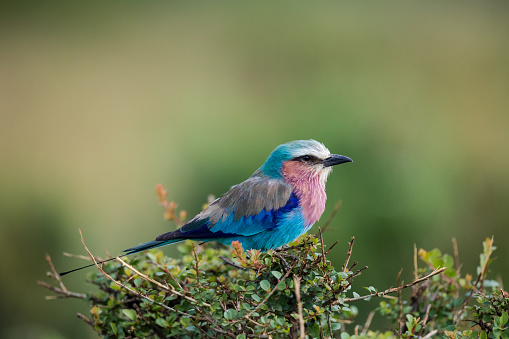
132 250
149 245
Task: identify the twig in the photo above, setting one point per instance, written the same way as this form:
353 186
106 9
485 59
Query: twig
330 248
54 273
333 214
416 273
395 289
128 288
478 281
169 206
430 334
282 260
400 301
296 283
323 246
231 263
425 320
62 291
356 273
77 256
368 322
169 288
348 254
456 255
85 319
268 295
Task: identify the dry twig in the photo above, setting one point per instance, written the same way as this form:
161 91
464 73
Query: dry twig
62 291
296 283
348 254
395 289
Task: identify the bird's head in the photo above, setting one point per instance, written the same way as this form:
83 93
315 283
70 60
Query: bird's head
303 157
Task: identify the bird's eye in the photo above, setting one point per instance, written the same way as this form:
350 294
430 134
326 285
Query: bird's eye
306 158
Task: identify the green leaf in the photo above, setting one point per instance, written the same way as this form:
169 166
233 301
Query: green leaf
276 274
265 285
335 326
131 314
185 321
281 286
255 297
241 336
483 335
162 322
314 330
231 314
450 328
114 328
503 318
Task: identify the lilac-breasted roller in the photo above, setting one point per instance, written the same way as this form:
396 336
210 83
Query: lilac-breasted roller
275 205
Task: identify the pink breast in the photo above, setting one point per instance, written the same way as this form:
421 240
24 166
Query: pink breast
309 186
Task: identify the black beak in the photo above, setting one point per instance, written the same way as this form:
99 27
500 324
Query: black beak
335 159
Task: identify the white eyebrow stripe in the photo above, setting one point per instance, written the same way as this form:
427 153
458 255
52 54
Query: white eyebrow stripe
316 149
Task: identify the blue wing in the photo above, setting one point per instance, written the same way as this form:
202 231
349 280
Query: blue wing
249 208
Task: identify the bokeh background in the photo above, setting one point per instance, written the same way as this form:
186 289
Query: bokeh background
99 102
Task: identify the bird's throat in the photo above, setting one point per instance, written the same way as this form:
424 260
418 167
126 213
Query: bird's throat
309 186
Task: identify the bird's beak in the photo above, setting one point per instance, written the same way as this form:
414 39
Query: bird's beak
335 159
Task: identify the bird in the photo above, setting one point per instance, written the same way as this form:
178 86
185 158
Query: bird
279 202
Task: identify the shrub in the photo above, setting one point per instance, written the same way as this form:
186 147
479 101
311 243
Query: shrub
219 292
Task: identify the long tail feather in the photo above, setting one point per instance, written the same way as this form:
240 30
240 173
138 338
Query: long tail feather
149 245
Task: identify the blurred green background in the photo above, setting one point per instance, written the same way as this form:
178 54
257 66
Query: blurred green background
99 102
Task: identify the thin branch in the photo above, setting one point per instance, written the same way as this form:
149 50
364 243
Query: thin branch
77 256
430 334
333 214
323 246
400 301
62 291
395 289
456 255
99 267
416 273
368 322
356 273
169 288
348 254
268 295
54 273
479 281
231 263
330 248
296 283
425 320
85 319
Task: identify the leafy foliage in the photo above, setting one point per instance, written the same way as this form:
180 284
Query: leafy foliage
218 299
220 292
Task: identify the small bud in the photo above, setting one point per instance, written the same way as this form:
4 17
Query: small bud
161 193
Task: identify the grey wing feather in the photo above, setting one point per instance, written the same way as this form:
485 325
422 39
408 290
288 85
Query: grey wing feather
248 198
